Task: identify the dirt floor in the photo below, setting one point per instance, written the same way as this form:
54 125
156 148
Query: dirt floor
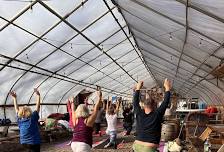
124 145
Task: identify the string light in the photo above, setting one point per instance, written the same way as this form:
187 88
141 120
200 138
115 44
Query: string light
171 38
200 43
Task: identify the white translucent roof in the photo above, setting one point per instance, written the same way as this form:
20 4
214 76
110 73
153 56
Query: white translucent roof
65 47
181 40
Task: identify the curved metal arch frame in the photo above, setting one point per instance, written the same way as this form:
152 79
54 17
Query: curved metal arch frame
87 63
95 82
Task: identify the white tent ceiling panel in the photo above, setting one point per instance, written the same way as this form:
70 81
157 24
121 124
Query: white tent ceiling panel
218 95
65 7
187 66
25 87
158 52
55 94
133 63
110 68
101 61
190 60
213 61
200 42
77 46
7 78
220 53
101 28
87 13
120 50
56 61
162 46
127 58
201 73
171 8
34 25
91 55
83 72
154 58
71 68
19 65
18 41
195 53
60 34
36 52
62 109
95 77
206 25
117 39
47 110
162 43
14 9
144 12
214 7
74 90
2 23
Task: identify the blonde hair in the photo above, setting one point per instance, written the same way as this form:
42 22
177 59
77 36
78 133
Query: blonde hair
24 112
82 111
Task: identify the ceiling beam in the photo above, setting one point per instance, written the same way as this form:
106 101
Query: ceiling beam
202 11
75 29
177 22
185 40
140 56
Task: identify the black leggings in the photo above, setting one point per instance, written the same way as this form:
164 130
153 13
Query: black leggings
32 148
97 128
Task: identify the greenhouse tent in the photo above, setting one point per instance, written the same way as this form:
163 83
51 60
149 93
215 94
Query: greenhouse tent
65 47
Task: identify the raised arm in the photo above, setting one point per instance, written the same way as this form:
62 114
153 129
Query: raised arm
108 105
14 97
37 100
92 117
166 101
136 98
118 105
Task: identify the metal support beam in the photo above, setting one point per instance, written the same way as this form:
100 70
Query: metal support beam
185 40
202 11
75 29
177 22
141 57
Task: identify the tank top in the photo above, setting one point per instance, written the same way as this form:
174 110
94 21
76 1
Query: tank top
111 122
82 132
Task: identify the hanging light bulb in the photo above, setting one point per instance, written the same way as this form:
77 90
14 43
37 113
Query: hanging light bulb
200 43
171 38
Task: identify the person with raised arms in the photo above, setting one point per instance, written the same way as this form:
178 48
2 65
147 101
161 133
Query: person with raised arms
149 119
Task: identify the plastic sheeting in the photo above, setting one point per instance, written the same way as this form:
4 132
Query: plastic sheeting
159 28
63 48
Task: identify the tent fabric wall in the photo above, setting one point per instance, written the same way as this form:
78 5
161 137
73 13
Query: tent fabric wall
63 48
180 40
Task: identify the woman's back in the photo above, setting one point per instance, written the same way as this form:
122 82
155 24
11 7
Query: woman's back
29 130
82 132
111 122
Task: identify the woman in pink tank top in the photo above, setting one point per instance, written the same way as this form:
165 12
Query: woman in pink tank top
83 126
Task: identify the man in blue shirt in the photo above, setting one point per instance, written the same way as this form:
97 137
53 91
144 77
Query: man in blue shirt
28 124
